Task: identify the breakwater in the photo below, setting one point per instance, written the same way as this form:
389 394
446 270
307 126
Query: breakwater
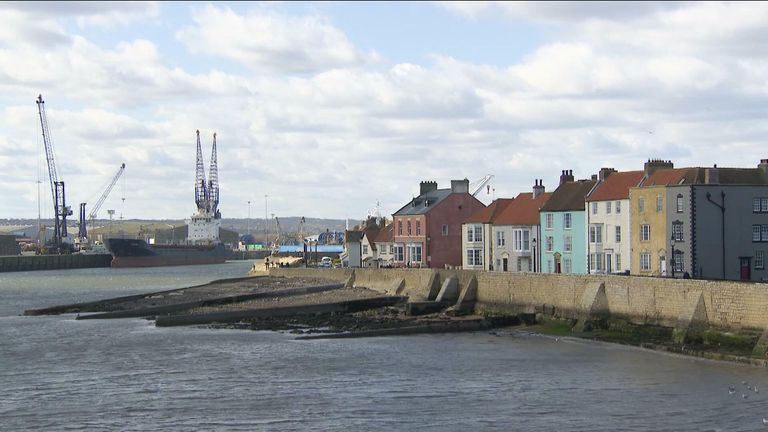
53 262
689 307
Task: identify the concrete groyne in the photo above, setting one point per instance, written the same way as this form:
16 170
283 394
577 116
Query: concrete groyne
689 307
53 262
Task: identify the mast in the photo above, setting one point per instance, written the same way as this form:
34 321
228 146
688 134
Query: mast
213 181
201 193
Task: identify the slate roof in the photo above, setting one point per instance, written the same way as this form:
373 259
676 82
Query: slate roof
417 205
616 186
673 176
524 210
569 196
488 214
697 176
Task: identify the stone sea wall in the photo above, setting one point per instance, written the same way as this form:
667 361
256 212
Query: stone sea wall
641 300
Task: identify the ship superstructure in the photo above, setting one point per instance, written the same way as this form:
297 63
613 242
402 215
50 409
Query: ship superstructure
205 223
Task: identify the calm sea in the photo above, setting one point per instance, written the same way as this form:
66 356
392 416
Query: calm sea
60 374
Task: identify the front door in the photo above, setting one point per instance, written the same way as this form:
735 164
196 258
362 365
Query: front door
745 268
608 265
505 264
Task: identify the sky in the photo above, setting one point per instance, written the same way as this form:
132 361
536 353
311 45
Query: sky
334 109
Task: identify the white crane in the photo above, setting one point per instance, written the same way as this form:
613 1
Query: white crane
485 182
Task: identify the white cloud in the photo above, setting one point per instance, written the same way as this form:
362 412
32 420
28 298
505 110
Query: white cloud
325 132
267 41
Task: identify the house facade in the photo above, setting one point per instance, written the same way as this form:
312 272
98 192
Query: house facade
517 231
700 222
478 236
608 221
563 246
427 230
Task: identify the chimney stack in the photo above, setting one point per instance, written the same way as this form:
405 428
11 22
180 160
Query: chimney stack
538 188
655 164
605 172
763 166
566 176
459 186
427 186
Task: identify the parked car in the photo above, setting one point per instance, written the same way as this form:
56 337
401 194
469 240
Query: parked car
325 261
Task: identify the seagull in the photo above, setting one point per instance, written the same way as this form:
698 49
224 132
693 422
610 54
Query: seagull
731 390
557 339
756 390
765 421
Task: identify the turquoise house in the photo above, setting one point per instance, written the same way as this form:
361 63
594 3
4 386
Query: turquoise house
563 240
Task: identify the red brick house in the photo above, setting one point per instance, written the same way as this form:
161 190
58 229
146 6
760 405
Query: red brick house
427 230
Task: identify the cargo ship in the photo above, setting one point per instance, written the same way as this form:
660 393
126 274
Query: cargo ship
138 253
202 245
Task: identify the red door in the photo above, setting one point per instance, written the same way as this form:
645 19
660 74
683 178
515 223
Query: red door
745 267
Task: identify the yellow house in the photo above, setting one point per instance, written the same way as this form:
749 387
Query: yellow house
649 222
648 219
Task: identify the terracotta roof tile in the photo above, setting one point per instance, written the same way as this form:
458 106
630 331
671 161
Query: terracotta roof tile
524 210
488 214
616 186
386 235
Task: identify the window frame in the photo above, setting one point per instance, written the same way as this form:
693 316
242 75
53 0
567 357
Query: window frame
645 232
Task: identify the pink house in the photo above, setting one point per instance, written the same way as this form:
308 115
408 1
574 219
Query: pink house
427 230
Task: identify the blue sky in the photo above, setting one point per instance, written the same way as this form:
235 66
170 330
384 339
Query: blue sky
330 107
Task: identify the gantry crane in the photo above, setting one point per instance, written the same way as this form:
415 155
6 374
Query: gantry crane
60 209
83 234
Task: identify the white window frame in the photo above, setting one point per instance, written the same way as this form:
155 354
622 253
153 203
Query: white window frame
365 249
608 207
521 240
618 234
618 207
759 260
677 231
414 253
645 232
500 240
474 257
645 261
549 220
399 253
595 233
550 243
567 265
567 244
641 205
679 203
755 233
474 233
594 208
567 220
659 203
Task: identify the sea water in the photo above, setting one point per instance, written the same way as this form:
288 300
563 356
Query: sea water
57 373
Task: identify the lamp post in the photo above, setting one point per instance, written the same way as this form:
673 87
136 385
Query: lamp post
672 260
248 221
722 220
533 242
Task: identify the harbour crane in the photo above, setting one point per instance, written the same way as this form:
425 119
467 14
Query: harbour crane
60 208
478 185
83 234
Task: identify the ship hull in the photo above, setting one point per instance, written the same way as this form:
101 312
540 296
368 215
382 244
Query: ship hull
137 253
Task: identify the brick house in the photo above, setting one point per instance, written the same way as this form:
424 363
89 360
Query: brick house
427 230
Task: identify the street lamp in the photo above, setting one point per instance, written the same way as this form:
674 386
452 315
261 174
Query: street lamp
672 260
533 242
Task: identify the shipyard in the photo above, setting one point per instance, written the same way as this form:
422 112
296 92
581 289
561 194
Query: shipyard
340 216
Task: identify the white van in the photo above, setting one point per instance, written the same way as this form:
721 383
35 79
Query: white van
325 262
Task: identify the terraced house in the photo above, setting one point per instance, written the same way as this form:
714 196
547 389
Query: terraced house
563 227
608 217
702 222
427 230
